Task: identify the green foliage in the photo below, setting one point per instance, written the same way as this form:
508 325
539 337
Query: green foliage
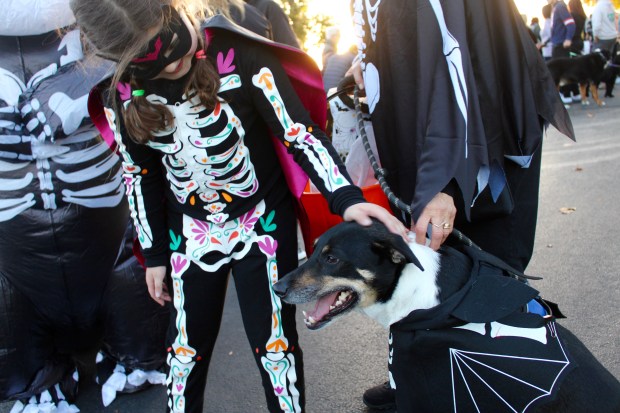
303 23
616 3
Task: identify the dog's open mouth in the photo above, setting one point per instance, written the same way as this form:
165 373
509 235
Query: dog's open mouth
328 307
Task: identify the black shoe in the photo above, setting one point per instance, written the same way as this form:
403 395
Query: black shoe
381 397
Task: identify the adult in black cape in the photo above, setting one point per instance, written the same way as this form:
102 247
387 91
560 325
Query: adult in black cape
459 99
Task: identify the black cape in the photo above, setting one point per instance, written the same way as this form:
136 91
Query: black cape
456 89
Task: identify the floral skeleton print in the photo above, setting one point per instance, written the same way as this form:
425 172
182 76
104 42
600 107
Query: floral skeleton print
219 173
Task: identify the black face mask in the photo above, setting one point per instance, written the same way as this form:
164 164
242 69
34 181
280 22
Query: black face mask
161 50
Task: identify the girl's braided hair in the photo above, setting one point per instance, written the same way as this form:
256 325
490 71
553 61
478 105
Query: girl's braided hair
119 30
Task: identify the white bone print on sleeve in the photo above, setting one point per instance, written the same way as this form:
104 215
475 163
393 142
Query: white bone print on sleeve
133 180
297 135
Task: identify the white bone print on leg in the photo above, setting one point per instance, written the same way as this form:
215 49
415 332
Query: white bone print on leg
181 357
277 362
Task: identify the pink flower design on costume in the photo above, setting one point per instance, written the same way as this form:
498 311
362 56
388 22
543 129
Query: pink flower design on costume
202 231
278 389
224 64
179 264
124 90
269 246
248 220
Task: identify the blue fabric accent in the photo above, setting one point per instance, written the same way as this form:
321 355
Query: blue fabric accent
536 308
497 181
523 161
483 181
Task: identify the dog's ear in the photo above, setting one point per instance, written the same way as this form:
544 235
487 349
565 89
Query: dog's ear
396 249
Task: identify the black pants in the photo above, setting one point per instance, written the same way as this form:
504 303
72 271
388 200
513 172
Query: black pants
510 237
258 248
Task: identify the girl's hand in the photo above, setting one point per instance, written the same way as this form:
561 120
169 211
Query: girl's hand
439 213
155 283
362 214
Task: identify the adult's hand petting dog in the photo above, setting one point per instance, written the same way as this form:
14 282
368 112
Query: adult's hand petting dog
363 212
439 213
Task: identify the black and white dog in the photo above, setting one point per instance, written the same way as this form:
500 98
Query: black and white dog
465 335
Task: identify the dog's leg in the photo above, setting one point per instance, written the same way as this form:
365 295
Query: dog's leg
582 92
594 91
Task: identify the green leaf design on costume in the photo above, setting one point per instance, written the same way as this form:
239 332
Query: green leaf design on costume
176 241
267 224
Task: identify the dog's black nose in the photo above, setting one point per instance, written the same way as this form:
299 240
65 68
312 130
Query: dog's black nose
281 287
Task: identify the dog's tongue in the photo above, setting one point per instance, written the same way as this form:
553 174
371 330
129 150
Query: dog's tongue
322 306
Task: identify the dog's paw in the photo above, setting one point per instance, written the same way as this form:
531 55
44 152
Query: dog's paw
585 102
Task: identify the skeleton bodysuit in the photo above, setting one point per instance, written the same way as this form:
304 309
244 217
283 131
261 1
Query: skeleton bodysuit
209 195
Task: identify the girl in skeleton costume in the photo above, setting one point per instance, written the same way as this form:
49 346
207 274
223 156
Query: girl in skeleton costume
193 112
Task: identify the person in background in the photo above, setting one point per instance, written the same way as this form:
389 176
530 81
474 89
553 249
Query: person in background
244 15
545 45
280 23
604 29
562 29
576 10
442 124
570 92
330 47
535 28
588 30
336 67
194 110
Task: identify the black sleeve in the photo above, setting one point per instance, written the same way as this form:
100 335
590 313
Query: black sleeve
280 25
144 182
280 107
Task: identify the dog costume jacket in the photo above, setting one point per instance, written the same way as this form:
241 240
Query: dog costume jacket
479 343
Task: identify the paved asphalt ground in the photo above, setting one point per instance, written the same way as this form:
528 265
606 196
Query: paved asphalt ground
576 253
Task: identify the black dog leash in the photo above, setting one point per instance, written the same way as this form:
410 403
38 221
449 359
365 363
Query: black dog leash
380 172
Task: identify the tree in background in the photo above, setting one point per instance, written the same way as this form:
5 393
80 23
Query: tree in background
616 3
303 23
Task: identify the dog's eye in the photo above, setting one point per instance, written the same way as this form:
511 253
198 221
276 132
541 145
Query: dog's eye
330 259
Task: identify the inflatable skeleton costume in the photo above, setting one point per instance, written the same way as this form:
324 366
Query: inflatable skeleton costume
69 283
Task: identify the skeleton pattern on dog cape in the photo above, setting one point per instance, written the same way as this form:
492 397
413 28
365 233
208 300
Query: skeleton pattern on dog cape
455 88
478 350
67 273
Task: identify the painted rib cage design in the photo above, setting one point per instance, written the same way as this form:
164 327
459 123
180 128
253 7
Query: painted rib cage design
50 153
221 169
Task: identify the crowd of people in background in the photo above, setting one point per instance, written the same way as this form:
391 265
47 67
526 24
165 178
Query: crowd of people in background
568 31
